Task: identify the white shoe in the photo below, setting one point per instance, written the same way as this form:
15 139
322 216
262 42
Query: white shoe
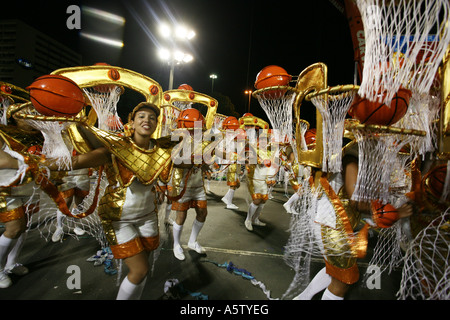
287 208
232 206
258 222
248 225
18 269
178 252
196 247
78 231
57 235
5 281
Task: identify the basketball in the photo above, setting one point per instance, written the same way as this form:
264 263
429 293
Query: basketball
185 86
271 76
310 138
188 117
56 95
230 123
384 215
36 150
435 180
378 113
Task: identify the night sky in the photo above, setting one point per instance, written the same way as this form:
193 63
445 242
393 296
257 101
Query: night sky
234 39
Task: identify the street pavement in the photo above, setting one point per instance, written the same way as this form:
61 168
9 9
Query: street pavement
256 268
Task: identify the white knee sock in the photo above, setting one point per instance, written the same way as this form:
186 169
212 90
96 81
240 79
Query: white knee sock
129 290
176 229
196 228
6 244
59 217
258 211
15 251
251 211
230 194
327 295
320 281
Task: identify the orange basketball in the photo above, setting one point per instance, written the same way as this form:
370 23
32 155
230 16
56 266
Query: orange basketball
272 76
230 123
185 86
56 95
36 150
435 180
310 138
188 117
384 215
369 112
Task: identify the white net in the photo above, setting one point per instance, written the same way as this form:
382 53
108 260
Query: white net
104 99
4 105
333 105
423 111
277 104
378 157
169 119
182 105
396 34
47 220
54 147
426 265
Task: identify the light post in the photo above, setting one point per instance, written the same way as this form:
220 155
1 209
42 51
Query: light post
249 92
213 77
175 56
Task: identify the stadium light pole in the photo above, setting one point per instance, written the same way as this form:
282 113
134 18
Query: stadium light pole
249 92
213 77
175 56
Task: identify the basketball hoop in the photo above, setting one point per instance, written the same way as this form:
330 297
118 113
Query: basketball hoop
104 99
277 102
333 104
391 56
378 149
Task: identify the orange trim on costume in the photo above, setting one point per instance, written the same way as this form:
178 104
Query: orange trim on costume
150 243
11 215
67 193
184 206
134 246
257 196
348 276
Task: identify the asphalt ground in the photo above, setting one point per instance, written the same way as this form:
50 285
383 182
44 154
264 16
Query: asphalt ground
256 271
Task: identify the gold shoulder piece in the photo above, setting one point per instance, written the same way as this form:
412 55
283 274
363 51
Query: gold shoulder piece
145 164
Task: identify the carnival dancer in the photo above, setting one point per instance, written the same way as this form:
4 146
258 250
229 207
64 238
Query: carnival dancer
18 140
257 167
336 221
128 208
232 165
187 181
